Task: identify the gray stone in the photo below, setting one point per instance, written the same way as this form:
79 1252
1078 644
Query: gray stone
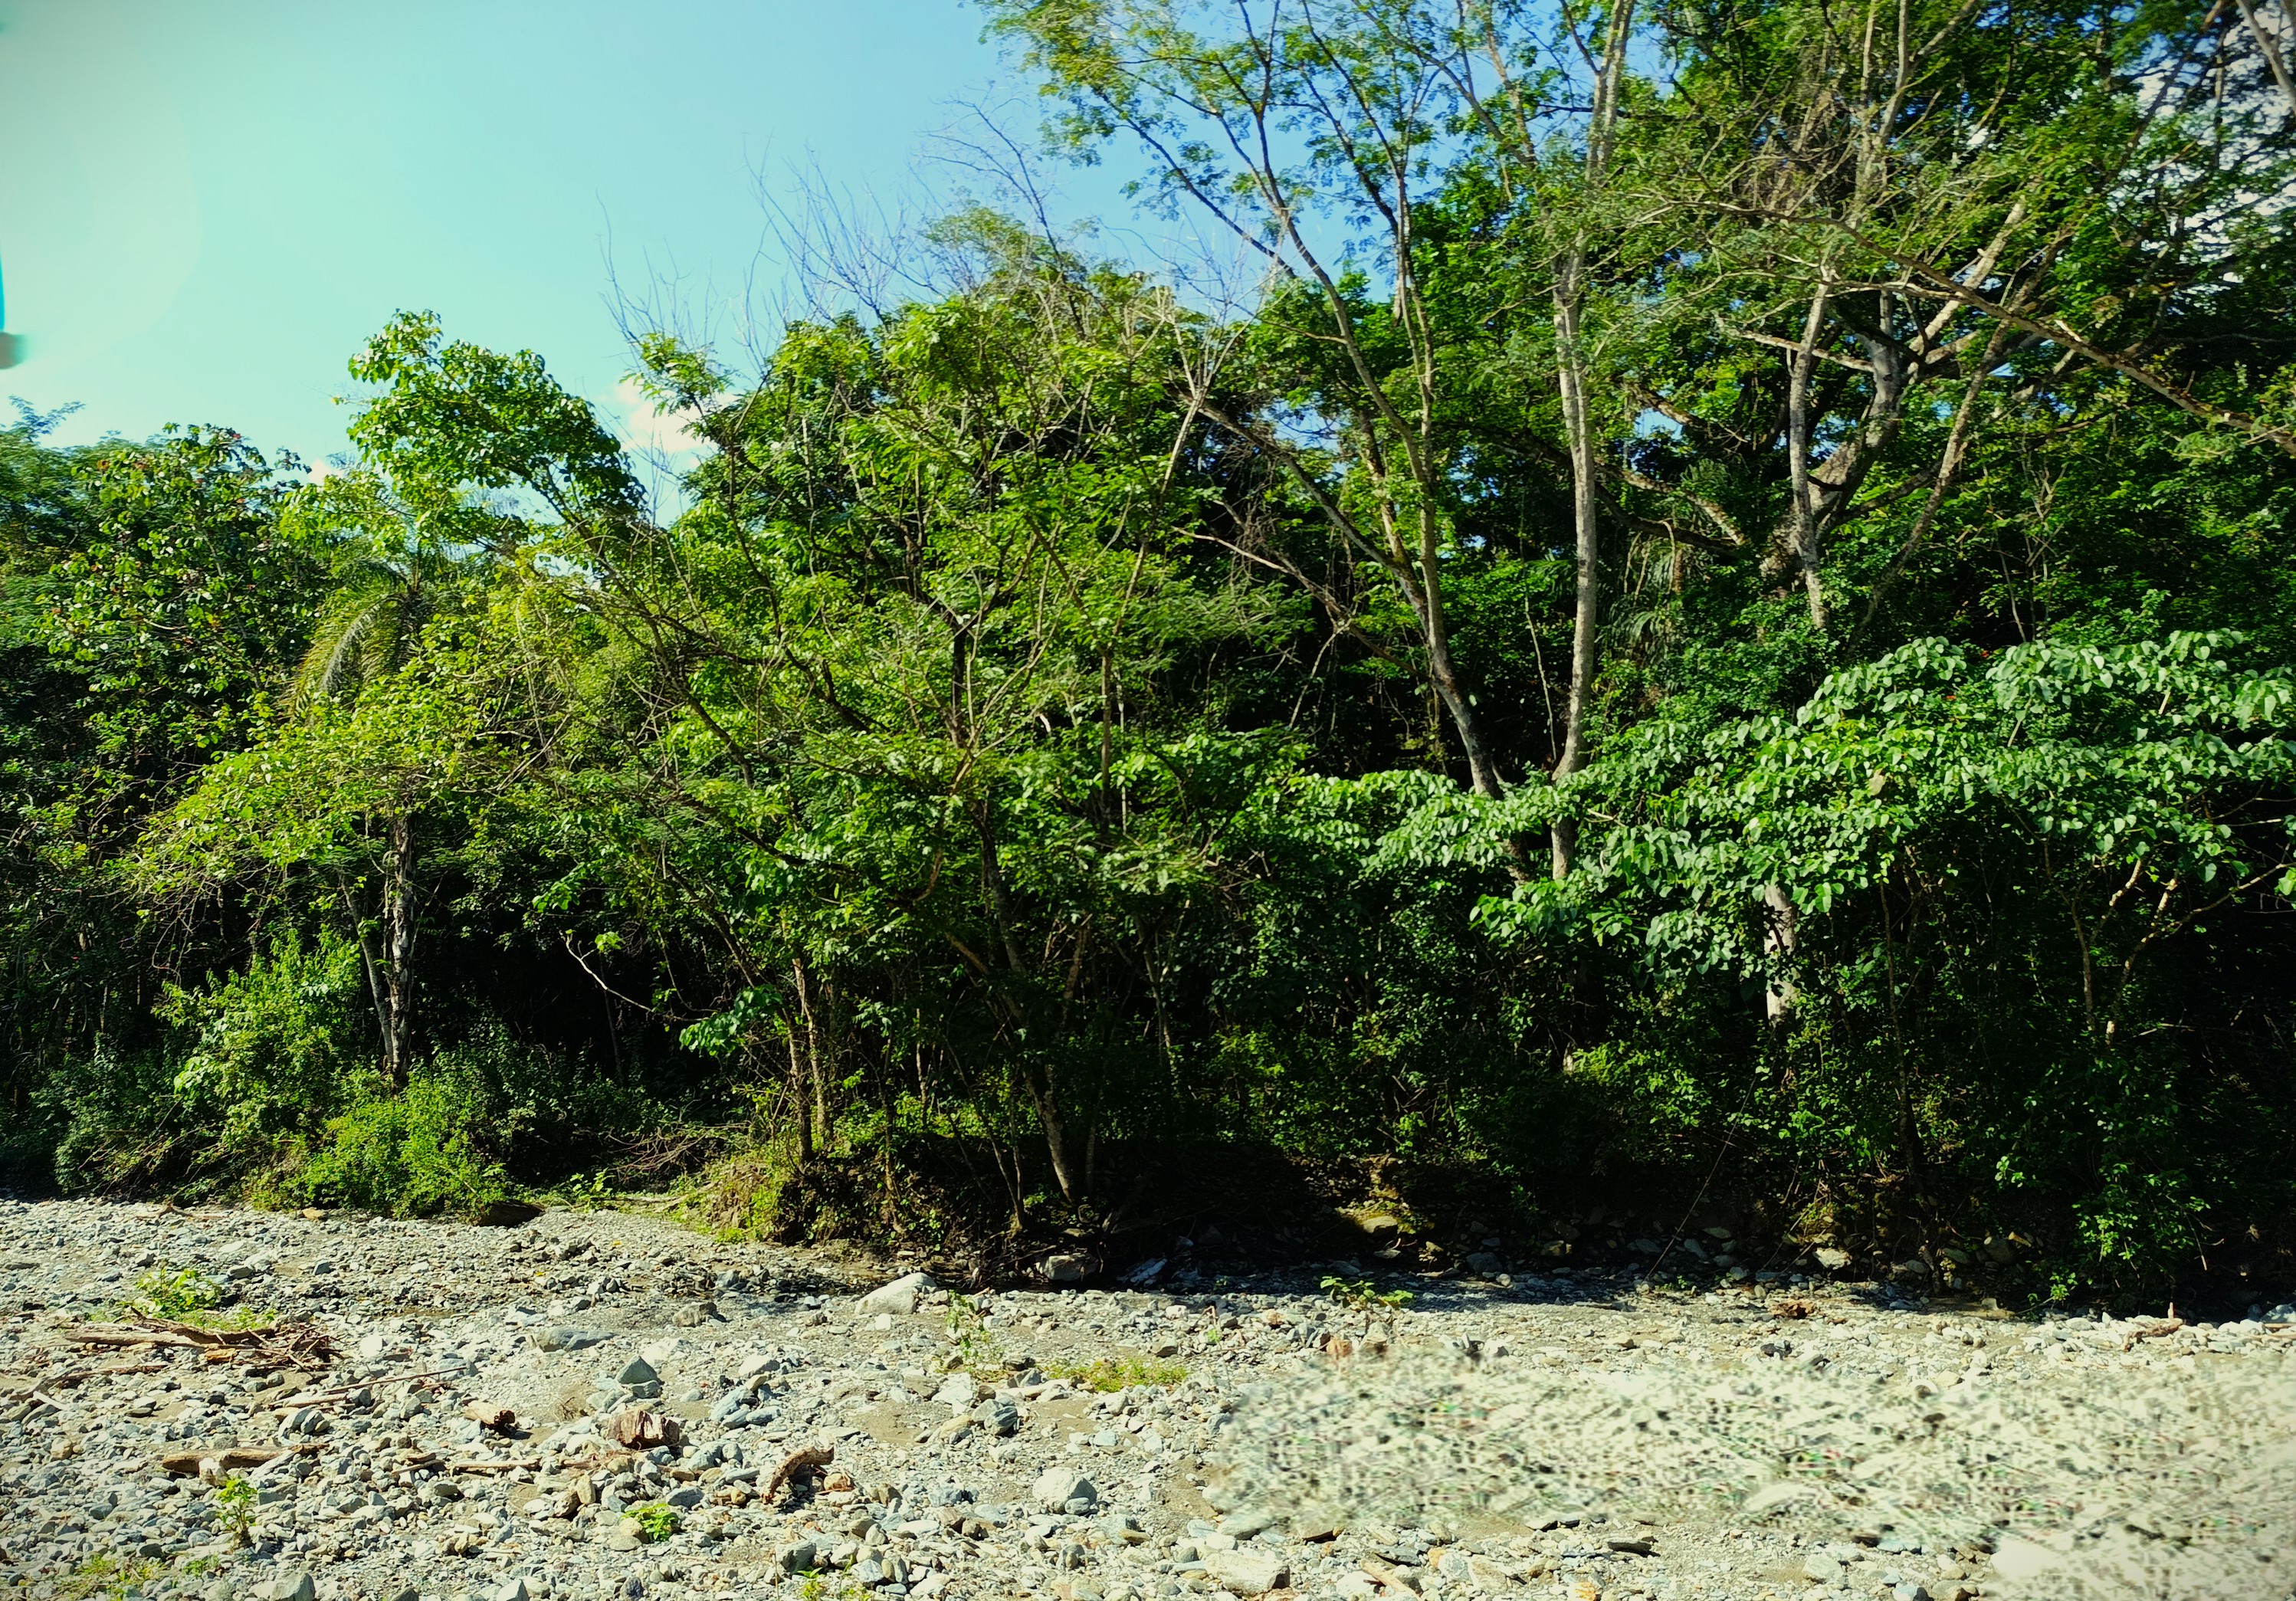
959 1391
222 1589
511 1589
900 1296
637 1373
1248 1521
1057 1487
799 1558
1246 1571
1001 1418
409 1594
566 1337
1819 1568
292 1586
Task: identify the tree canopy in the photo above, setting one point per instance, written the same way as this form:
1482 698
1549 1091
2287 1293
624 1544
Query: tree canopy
1681 594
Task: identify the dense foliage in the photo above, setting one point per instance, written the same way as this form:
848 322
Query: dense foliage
1720 612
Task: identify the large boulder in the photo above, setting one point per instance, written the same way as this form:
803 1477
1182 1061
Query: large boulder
1068 1266
1058 1489
899 1297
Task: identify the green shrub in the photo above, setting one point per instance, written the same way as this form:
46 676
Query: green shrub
120 1120
428 1149
272 1044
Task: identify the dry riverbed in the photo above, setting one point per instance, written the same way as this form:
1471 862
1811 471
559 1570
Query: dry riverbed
597 1405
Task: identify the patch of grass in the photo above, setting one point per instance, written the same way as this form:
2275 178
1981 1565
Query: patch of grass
103 1578
1363 1294
1111 1373
820 1587
657 1521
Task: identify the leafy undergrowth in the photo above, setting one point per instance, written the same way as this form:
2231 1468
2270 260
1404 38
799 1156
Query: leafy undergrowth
188 1296
1110 1374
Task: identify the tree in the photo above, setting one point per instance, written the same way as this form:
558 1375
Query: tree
395 568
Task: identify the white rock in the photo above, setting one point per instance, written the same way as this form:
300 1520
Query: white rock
1067 1268
1247 1571
900 1296
959 1392
1056 1487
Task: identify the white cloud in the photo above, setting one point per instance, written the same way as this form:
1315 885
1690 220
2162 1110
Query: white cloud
649 430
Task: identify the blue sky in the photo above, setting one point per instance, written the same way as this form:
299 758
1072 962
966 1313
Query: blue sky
205 208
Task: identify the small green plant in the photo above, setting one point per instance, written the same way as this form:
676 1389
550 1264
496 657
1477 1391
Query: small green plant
172 1297
969 1333
1111 1373
657 1521
588 1192
1363 1294
235 1501
187 1297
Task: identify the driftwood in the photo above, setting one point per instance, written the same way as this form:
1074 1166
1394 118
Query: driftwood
641 1429
2160 1330
807 1460
500 1420
304 1345
227 1459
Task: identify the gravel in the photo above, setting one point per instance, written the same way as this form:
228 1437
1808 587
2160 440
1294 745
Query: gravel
1547 1434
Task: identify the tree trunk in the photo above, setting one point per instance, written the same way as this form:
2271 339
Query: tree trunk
1803 528
1778 944
1571 379
399 952
817 1045
801 1099
1059 1139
